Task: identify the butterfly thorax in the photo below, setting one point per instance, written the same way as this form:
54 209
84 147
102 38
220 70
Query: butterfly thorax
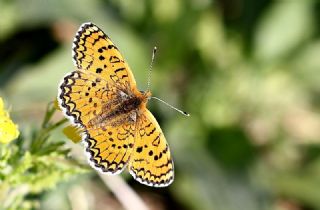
124 108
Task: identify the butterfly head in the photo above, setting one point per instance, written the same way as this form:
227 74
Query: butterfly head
146 94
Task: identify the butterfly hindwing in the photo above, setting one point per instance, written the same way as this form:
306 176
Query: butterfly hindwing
151 161
109 147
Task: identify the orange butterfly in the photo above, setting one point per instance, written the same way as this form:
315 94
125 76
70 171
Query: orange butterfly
101 97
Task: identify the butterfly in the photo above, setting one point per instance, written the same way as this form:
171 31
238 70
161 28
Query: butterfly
102 98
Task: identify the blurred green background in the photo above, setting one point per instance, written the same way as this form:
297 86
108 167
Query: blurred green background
246 70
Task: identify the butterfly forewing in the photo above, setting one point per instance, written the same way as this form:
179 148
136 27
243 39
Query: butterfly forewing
94 51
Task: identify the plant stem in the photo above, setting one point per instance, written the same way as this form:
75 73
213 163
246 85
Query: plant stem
131 200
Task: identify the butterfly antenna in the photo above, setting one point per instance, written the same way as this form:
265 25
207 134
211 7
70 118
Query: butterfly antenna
150 69
172 107
149 81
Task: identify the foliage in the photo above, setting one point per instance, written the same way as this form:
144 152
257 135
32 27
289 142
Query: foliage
33 164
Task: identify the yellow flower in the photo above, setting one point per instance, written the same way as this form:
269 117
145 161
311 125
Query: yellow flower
8 130
72 133
56 104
